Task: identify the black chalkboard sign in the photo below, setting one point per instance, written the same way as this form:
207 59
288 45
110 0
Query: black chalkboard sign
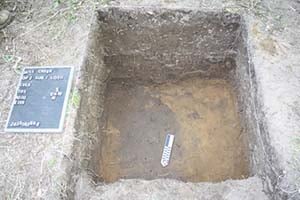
41 100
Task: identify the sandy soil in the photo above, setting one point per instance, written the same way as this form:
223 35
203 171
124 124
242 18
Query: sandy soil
201 114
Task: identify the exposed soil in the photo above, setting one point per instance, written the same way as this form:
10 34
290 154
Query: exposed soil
54 32
201 114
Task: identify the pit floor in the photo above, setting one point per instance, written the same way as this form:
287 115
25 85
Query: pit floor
200 113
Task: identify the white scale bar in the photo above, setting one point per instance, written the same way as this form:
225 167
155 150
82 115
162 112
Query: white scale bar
165 159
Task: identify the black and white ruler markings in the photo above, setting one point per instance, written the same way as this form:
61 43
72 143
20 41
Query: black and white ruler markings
165 159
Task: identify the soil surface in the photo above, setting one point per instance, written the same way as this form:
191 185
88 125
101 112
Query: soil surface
201 114
47 32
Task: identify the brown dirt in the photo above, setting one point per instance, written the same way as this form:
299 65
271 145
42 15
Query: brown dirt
201 113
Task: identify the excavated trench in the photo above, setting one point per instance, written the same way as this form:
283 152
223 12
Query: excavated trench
153 72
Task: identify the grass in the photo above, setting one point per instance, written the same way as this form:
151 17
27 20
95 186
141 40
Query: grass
74 5
13 61
296 151
68 12
71 8
295 165
270 17
74 99
104 2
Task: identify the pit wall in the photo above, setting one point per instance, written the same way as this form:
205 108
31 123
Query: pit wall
263 161
94 76
215 57
159 45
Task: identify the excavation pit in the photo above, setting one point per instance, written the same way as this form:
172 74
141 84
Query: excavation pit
153 72
200 113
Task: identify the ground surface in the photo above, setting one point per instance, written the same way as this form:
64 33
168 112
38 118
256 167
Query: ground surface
201 114
35 166
249 189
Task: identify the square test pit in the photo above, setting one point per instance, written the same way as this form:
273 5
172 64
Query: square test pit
150 72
